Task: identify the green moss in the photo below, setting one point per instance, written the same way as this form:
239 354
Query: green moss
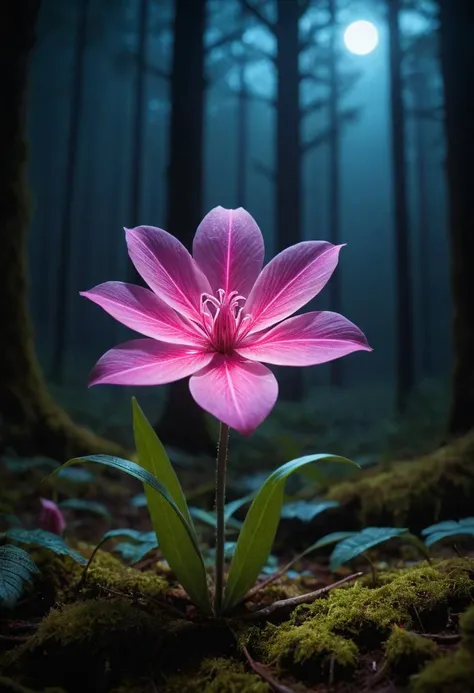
108 573
333 630
217 676
406 653
453 673
413 493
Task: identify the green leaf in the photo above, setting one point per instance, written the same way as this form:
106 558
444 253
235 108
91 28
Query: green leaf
178 544
232 507
328 539
75 476
16 568
138 501
305 510
133 534
134 552
47 540
85 505
359 542
260 526
145 477
448 529
24 464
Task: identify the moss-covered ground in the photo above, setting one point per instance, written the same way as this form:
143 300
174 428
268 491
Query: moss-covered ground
121 631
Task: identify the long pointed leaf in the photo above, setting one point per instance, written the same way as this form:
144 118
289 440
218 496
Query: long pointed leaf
138 472
260 526
184 557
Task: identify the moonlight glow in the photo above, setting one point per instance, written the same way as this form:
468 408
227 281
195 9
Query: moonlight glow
361 37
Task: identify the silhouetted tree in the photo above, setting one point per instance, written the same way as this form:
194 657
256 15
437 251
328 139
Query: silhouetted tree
457 63
62 320
405 367
30 420
289 145
139 123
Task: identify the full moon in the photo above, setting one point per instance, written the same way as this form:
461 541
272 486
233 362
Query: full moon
361 37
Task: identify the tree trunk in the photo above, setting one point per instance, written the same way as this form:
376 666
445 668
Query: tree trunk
138 127
288 155
30 421
183 422
336 372
405 374
64 270
457 64
242 122
424 240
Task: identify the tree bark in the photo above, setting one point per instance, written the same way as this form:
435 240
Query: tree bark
457 65
30 420
335 299
183 422
64 270
404 293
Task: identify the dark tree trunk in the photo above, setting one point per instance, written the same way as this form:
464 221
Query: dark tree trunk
242 123
457 63
336 367
422 214
139 126
404 293
183 422
30 420
64 270
288 155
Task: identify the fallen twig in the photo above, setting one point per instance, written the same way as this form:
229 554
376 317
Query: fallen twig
438 637
288 604
262 671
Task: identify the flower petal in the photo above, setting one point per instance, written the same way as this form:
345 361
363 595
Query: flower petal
168 269
289 281
228 247
142 311
305 340
147 362
239 393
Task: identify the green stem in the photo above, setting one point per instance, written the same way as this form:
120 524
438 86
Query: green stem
222 449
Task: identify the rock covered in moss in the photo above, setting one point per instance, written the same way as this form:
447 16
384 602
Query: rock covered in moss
412 493
406 653
330 632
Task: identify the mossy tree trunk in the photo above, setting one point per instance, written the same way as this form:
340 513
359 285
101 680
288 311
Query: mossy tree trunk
30 420
457 63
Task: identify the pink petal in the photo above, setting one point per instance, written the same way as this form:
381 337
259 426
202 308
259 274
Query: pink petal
289 281
51 518
142 311
306 340
228 247
168 269
147 362
239 393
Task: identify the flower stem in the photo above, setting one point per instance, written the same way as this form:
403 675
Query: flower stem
222 449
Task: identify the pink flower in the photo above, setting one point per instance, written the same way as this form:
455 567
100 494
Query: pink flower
51 518
216 315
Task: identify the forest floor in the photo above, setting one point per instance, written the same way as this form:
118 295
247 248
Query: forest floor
406 626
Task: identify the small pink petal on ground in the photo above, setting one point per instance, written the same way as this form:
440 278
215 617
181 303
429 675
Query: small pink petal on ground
148 362
228 247
51 518
141 310
289 281
168 269
239 393
305 340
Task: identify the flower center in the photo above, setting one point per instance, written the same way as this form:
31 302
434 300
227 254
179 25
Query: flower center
223 318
